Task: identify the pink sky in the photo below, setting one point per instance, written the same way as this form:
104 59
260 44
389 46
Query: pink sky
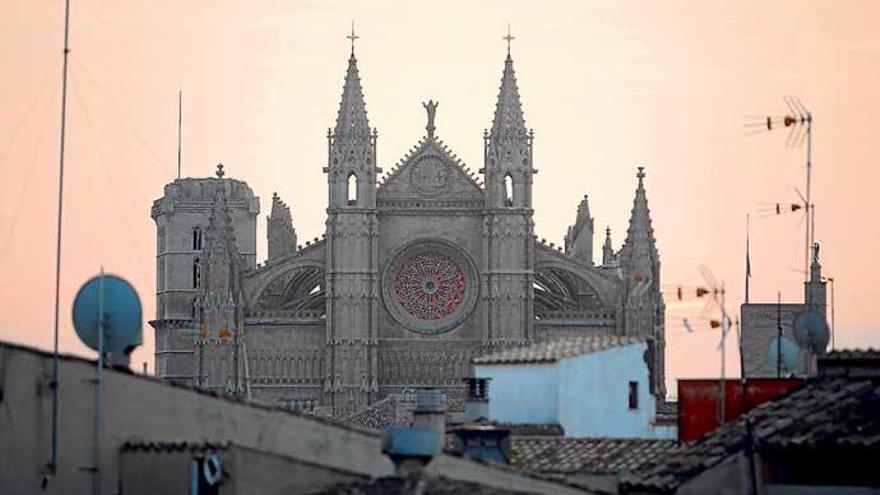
607 86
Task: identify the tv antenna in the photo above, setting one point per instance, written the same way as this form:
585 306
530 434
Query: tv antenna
800 122
52 466
716 291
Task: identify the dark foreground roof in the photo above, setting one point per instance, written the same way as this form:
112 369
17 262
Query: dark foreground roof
825 414
585 455
554 350
421 484
851 355
173 446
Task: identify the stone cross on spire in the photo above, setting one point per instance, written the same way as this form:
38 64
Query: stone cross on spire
508 38
352 37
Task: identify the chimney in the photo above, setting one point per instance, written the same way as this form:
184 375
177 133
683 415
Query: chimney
412 447
476 403
486 442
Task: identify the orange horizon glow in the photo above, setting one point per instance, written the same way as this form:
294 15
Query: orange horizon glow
606 86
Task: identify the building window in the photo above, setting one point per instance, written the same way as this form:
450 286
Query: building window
160 275
197 239
197 274
508 190
161 246
352 189
633 395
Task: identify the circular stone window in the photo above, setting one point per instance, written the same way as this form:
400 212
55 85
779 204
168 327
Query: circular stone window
430 286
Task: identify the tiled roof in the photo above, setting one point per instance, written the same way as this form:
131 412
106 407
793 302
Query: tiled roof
173 446
534 430
851 354
826 412
425 485
585 455
375 417
554 350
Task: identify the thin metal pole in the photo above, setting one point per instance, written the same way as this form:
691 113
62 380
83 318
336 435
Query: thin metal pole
96 467
53 462
779 335
179 126
832 312
748 259
722 387
809 206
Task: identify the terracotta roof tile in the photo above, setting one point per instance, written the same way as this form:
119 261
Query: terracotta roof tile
824 413
554 350
425 485
585 455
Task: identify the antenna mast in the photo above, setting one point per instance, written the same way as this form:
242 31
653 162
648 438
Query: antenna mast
800 120
779 335
179 125
53 461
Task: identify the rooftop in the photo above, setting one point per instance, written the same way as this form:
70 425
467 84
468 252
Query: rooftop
549 455
851 354
421 484
824 413
555 350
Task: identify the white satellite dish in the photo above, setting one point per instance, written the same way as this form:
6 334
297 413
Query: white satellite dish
811 331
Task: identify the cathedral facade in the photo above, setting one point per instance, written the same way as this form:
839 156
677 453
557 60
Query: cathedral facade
421 269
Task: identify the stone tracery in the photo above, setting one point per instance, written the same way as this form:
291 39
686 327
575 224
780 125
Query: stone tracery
429 286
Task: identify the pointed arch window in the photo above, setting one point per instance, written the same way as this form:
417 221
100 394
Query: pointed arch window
197 239
196 274
352 189
508 190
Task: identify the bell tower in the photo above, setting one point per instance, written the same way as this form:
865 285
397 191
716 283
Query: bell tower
351 381
508 271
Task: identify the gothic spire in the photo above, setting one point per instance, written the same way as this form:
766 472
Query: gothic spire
352 119
583 215
579 238
509 121
280 232
220 253
607 249
639 251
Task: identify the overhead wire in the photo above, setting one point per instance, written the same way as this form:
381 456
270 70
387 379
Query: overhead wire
121 116
99 151
22 121
16 215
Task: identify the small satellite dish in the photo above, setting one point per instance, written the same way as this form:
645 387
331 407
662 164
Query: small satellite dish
789 353
811 331
122 314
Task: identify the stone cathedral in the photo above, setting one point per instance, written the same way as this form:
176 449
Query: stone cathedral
421 269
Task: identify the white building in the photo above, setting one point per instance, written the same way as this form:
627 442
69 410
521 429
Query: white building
597 386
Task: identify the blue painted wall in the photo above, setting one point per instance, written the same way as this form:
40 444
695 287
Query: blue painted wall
587 395
594 394
526 393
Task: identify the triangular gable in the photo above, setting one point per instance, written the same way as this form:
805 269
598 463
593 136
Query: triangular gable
430 171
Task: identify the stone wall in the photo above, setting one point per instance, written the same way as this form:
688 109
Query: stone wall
759 328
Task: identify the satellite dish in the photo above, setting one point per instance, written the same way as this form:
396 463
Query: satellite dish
122 314
789 353
811 331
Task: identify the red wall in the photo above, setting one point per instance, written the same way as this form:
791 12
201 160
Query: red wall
698 401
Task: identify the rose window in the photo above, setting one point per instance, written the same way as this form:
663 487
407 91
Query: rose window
429 286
